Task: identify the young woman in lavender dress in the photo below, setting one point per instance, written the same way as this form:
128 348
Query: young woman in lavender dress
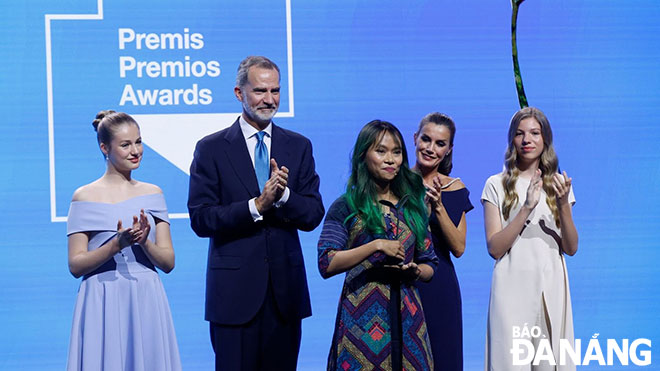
119 233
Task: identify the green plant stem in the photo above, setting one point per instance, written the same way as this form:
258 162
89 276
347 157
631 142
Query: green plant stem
522 99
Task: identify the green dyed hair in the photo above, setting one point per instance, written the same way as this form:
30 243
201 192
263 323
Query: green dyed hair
407 186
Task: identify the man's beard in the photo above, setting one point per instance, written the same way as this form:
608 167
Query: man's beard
259 115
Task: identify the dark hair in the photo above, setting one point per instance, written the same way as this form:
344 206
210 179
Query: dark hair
106 124
361 192
438 118
253 61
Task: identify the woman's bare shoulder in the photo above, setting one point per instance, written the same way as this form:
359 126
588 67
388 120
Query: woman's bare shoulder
88 192
451 184
147 188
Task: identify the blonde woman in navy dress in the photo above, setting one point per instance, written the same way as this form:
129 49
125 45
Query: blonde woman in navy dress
529 227
118 232
449 201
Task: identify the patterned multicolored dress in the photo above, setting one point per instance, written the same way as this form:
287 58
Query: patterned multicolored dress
380 312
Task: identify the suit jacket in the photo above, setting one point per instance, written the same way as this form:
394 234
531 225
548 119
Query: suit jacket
243 254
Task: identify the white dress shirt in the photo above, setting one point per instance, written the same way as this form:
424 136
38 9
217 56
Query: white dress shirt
250 136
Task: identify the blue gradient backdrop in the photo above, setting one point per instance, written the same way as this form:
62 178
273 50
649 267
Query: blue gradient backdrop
592 66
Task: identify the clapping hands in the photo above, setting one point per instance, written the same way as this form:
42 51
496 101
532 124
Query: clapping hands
141 228
274 188
434 194
279 177
137 234
534 190
561 183
124 236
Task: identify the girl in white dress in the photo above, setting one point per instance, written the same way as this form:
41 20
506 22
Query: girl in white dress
529 228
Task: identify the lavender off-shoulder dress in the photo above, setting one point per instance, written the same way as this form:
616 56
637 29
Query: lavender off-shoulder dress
122 318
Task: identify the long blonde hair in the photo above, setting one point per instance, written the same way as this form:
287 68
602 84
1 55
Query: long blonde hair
548 163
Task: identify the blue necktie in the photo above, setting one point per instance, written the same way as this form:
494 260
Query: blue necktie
261 163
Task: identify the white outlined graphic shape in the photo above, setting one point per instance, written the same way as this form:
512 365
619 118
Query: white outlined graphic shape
162 132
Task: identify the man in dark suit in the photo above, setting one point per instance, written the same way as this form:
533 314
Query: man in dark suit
252 187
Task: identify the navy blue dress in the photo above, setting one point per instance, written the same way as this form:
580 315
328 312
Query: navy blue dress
441 297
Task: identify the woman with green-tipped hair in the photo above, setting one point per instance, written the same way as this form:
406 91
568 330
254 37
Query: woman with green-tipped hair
377 232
